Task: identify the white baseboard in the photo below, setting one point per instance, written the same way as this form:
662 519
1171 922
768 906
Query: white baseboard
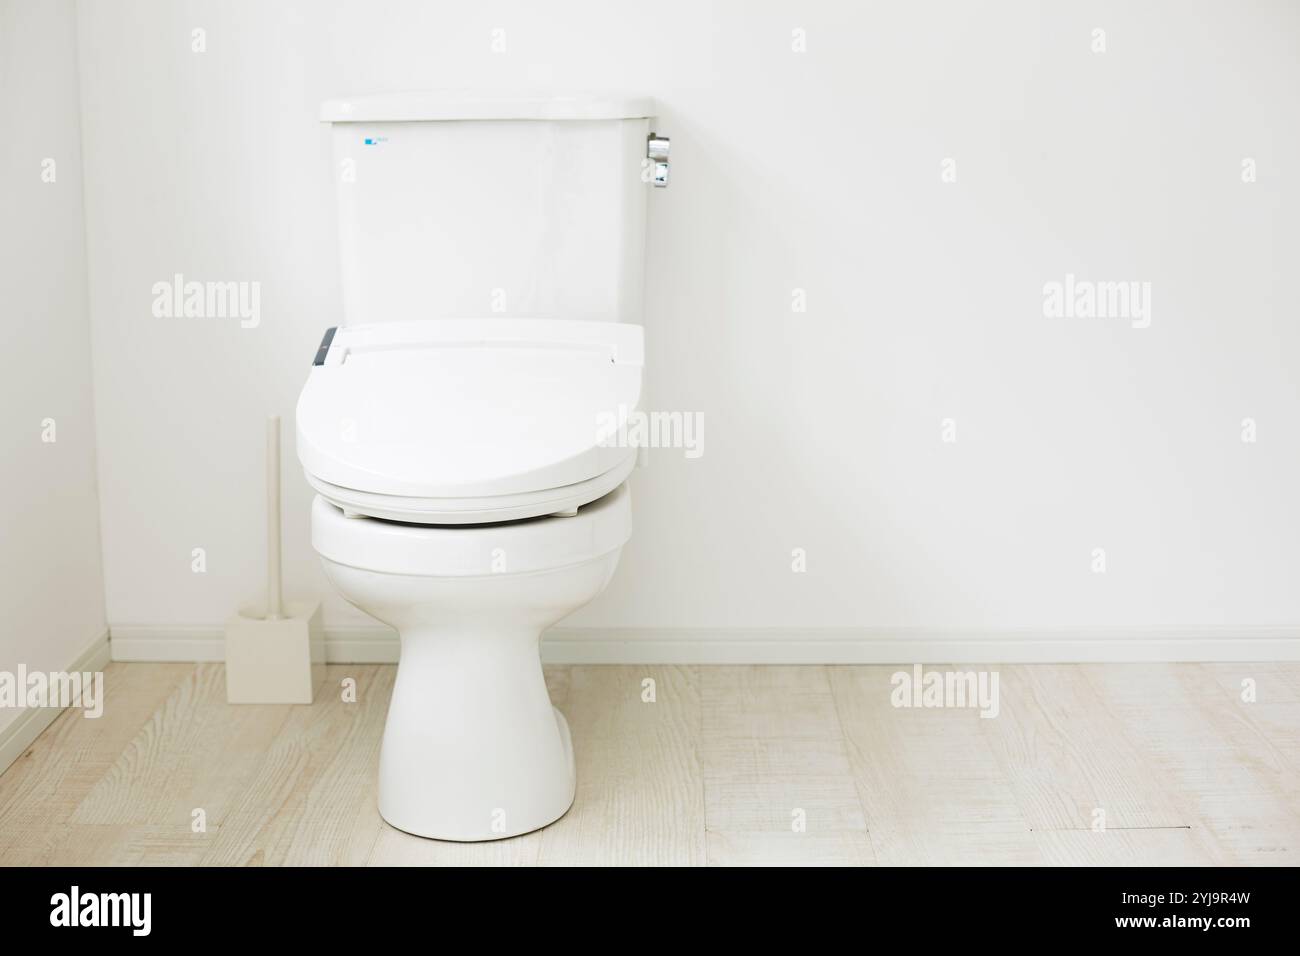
370 645
19 735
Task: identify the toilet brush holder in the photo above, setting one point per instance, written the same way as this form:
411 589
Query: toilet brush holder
275 652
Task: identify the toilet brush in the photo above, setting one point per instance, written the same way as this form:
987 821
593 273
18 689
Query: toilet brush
275 653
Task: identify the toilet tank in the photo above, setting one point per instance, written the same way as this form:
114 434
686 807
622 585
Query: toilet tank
468 206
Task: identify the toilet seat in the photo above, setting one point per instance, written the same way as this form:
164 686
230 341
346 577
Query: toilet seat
519 547
465 421
474 510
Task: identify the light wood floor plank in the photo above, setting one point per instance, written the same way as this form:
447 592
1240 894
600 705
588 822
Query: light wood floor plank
779 787
717 769
767 702
394 848
312 801
929 781
1275 710
1068 759
197 752
1270 683
843 848
1176 847
640 798
128 845
40 792
1239 785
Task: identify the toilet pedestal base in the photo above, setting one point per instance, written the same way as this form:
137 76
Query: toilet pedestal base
473 749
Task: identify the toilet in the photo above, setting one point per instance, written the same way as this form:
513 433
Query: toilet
465 426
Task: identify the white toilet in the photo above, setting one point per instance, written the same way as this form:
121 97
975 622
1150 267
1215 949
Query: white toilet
465 427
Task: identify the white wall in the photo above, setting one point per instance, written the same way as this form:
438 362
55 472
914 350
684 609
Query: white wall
51 585
817 170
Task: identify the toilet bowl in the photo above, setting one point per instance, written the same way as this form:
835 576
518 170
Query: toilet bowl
472 748
470 496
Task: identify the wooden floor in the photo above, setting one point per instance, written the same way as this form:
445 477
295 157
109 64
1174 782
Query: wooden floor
719 769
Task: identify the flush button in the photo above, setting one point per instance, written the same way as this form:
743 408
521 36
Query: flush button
324 349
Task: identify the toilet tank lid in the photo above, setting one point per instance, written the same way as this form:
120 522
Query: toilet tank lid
434 105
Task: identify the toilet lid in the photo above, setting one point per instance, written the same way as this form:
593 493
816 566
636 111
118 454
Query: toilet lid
465 408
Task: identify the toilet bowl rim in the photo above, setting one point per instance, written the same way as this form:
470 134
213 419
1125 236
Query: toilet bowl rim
540 544
511 575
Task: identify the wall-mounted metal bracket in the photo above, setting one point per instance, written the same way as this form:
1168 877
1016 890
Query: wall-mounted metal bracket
656 150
